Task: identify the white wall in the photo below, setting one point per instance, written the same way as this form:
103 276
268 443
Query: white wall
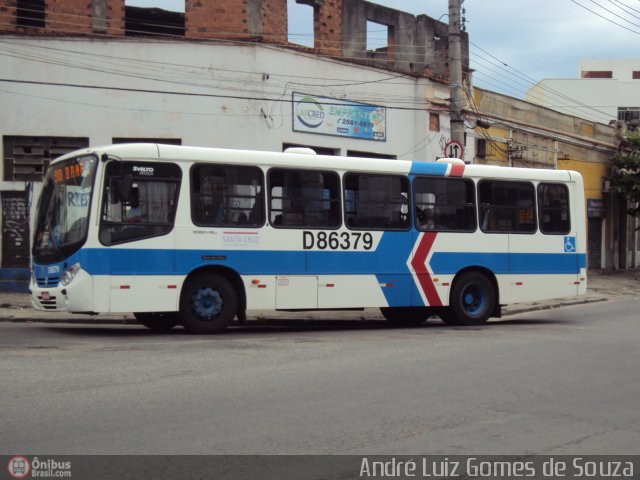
231 96
206 69
596 99
622 69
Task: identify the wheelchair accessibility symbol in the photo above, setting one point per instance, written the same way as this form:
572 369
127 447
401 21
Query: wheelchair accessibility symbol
569 244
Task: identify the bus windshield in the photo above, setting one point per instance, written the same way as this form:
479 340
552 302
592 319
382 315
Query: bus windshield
63 209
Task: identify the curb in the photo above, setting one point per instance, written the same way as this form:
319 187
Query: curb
127 319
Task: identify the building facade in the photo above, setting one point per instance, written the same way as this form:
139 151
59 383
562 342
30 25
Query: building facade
222 74
606 90
520 133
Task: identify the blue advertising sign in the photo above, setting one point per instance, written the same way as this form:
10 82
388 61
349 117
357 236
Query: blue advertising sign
330 116
595 208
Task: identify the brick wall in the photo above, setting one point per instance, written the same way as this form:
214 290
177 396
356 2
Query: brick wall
115 17
7 15
327 25
274 21
264 20
339 27
68 16
208 19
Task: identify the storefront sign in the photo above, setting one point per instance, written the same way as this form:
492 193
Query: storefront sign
595 208
330 116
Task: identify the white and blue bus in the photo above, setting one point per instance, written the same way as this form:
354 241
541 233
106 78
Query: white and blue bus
200 236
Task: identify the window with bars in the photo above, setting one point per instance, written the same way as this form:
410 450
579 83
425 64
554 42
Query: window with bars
27 158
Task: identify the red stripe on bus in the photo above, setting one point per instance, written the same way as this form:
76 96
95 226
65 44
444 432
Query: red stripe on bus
419 264
456 170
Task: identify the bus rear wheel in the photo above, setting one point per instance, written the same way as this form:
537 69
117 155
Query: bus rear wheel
158 322
472 302
405 316
208 304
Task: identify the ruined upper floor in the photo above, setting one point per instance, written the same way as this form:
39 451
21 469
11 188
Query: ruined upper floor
416 45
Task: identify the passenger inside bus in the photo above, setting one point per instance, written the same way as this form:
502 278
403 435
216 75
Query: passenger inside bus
132 212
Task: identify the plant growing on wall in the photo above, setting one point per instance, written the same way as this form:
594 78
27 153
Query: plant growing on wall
625 173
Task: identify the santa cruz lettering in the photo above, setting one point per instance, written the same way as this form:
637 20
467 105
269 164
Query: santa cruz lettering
336 240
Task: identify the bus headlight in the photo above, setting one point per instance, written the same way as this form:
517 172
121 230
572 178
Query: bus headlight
69 274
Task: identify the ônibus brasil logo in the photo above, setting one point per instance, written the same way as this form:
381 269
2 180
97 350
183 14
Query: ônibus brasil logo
19 467
310 112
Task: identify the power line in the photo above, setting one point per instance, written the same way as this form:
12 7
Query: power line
177 77
614 14
228 84
185 94
625 8
605 18
530 80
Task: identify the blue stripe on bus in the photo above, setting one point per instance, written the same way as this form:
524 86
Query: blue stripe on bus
509 263
428 168
383 262
388 263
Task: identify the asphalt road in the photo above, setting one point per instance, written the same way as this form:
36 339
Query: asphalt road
563 381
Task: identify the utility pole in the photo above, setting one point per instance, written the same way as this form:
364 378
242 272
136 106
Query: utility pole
456 90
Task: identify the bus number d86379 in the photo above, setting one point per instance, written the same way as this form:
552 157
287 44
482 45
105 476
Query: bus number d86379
336 240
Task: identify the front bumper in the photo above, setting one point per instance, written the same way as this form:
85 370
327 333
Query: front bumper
75 297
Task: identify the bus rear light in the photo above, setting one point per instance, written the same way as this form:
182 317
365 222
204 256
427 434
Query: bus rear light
255 281
519 284
125 287
445 284
172 286
262 285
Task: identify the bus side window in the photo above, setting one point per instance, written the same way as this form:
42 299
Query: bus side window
553 208
374 201
444 204
506 206
304 198
148 210
226 195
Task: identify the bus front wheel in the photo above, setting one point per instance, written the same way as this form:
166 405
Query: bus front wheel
208 304
472 302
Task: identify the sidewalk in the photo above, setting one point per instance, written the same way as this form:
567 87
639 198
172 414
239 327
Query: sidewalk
16 307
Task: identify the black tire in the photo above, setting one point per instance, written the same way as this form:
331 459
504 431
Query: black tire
208 304
405 316
158 322
472 301
448 316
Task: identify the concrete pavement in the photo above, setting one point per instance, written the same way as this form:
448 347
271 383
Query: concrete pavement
16 307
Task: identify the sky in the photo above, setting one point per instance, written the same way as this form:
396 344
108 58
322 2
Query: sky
513 43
